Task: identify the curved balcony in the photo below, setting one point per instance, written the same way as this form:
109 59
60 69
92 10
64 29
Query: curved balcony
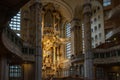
101 55
14 45
107 56
28 54
11 42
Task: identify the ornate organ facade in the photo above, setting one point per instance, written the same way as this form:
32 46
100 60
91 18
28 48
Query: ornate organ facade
52 34
52 41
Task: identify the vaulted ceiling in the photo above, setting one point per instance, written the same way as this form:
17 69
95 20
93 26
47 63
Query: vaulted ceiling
66 7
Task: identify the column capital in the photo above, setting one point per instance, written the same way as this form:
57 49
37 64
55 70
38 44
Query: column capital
76 22
87 7
36 5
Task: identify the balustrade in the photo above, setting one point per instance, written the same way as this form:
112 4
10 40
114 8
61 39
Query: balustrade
114 53
105 55
12 36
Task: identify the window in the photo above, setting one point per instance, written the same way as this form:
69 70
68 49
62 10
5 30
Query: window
100 35
91 30
95 28
106 2
92 39
83 44
15 23
96 37
68 45
18 34
15 71
95 19
99 25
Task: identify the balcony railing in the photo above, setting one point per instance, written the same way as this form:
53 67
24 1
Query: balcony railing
16 43
107 56
101 56
113 32
11 35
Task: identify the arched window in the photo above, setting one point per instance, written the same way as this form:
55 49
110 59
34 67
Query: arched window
15 23
106 2
68 45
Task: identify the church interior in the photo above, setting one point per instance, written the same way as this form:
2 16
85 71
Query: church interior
60 40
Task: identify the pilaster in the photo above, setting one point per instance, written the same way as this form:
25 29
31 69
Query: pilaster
76 34
26 24
37 24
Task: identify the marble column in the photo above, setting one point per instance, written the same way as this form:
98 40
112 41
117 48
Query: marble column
88 64
36 16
